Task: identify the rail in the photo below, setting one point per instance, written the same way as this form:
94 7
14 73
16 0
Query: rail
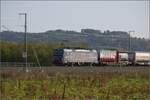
17 64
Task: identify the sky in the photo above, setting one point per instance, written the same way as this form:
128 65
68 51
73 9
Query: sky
76 15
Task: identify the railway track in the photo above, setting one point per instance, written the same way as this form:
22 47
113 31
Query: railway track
77 69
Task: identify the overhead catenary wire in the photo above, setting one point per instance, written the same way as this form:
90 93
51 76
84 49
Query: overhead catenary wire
5 27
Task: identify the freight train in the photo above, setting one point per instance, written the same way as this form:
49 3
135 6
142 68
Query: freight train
100 57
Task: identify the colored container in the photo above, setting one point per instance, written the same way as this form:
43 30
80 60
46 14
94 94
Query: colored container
108 56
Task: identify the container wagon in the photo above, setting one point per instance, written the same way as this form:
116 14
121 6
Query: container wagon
108 57
123 58
142 58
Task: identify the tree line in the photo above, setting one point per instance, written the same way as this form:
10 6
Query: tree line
12 51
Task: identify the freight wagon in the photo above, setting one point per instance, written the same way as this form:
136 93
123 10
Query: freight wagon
123 58
107 56
142 58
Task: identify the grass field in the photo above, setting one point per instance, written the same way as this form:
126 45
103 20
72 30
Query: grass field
75 83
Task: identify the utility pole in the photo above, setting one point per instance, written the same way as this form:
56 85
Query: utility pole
25 55
129 48
149 22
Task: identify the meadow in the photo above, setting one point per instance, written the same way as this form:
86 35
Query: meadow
76 84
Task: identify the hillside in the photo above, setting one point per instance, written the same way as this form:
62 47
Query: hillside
92 38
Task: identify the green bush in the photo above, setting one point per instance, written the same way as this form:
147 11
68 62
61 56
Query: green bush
12 52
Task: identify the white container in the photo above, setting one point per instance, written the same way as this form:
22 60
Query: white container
123 56
80 56
142 57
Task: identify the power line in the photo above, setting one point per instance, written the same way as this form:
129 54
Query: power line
5 27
